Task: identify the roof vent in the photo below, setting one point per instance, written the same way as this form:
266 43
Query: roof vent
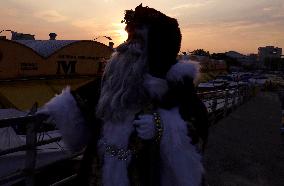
110 44
52 36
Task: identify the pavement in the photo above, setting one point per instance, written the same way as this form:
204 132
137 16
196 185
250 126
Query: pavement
246 148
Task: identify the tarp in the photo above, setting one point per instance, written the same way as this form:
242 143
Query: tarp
8 137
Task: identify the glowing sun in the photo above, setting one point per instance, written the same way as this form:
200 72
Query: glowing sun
122 35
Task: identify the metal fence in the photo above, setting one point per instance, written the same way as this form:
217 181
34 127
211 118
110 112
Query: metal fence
218 103
32 123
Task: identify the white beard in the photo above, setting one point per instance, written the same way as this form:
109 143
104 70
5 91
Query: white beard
122 91
122 96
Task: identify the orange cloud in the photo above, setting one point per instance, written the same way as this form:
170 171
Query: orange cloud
50 16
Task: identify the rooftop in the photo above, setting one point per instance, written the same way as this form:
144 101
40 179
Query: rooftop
45 48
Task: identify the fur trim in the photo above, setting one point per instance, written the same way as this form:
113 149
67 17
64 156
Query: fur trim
114 170
69 119
184 68
156 87
181 164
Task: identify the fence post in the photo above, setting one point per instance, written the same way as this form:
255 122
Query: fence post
226 103
238 95
234 101
31 140
214 109
242 95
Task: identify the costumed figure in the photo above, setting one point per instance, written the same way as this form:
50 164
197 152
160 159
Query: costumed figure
140 121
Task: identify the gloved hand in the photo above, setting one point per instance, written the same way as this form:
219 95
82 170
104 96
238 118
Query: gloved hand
145 126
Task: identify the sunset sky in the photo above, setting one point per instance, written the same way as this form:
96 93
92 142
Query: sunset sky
215 25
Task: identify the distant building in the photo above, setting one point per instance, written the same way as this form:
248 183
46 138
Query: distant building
235 55
244 60
35 70
253 57
269 52
51 58
22 36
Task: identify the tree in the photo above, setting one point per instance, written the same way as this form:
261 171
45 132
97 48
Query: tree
229 60
200 52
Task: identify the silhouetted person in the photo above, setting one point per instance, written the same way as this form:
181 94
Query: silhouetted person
140 121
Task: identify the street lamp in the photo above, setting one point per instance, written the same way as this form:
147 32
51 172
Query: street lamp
109 38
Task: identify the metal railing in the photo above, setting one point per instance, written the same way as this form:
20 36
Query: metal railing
218 104
32 123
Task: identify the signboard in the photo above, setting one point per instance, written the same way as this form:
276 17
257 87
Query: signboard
29 66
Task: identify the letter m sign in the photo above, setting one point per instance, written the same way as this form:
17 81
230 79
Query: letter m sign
67 68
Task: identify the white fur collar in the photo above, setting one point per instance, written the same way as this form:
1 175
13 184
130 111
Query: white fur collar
181 164
184 68
156 87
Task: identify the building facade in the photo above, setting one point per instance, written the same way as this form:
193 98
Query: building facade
51 58
269 52
35 70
